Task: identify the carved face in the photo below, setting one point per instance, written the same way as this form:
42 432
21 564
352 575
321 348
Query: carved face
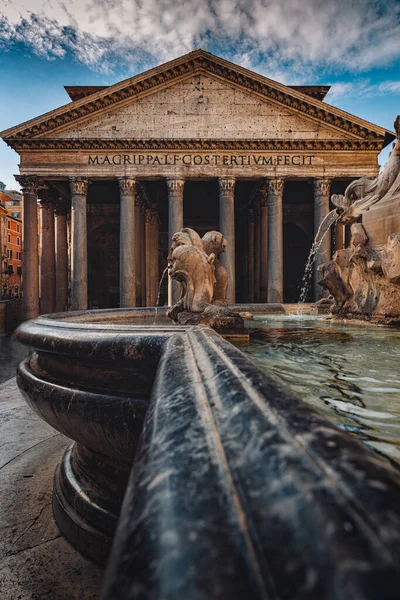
185 237
178 239
214 242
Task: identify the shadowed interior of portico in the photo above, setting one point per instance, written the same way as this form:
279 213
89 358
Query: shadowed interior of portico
201 212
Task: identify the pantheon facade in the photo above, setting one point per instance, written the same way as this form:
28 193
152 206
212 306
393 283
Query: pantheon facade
196 142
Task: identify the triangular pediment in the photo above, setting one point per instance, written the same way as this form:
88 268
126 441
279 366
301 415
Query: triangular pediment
198 96
200 106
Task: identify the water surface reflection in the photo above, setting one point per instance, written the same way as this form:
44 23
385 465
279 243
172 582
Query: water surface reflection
351 372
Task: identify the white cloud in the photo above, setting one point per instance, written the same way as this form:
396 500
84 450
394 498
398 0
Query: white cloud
362 88
270 35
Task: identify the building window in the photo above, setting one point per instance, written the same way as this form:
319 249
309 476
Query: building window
18 241
9 254
18 255
16 215
16 291
9 238
10 270
15 202
9 224
18 227
19 270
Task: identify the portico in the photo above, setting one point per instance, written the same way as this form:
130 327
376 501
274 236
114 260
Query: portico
197 142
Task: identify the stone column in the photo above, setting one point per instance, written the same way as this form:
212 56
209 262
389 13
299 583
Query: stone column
275 240
127 245
175 223
79 267
154 228
257 254
321 209
251 255
30 257
149 255
227 227
61 257
143 257
48 254
263 195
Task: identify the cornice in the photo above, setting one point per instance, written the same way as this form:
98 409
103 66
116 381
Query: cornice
375 144
191 64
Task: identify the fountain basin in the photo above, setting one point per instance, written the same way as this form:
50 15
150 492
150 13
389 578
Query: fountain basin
237 488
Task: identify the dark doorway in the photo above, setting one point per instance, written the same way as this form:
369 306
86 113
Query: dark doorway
201 206
295 254
103 260
298 235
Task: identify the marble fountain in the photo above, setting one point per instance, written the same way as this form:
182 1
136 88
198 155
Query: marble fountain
193 473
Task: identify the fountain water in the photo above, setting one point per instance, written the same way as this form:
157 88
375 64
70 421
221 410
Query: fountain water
323 229
159 293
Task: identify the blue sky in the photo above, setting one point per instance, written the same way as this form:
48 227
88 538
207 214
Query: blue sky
353 45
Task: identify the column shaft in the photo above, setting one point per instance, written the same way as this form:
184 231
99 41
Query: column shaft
175 223
79 267
143 258
155 275
227 227
61 261
48 255
257 255
138 251
30 257
321 209
149 256
275 240
263 193
251 255
127 245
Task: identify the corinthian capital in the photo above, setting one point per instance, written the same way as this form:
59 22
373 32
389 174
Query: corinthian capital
79 186
262 194
46 196
226 185
175 186
275 187
127 185
29 183
322 187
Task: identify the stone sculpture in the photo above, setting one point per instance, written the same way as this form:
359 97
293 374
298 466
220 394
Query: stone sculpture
364 279
215 243
365 192
192 261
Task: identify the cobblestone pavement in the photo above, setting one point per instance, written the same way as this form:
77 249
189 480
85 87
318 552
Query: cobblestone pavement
11 354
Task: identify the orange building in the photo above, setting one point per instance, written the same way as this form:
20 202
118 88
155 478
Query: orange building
11 243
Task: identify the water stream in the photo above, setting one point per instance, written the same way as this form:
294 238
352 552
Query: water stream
159 294
323 229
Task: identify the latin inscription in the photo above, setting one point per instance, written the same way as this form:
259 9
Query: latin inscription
188 160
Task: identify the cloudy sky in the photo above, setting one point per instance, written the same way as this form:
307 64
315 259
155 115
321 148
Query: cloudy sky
353 45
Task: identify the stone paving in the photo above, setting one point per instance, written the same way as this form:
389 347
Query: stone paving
36 563
11 353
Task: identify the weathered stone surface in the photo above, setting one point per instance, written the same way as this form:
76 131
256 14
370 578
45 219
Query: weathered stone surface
358 235
230 466
215 243
391 262
365 281
191 261
201 106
